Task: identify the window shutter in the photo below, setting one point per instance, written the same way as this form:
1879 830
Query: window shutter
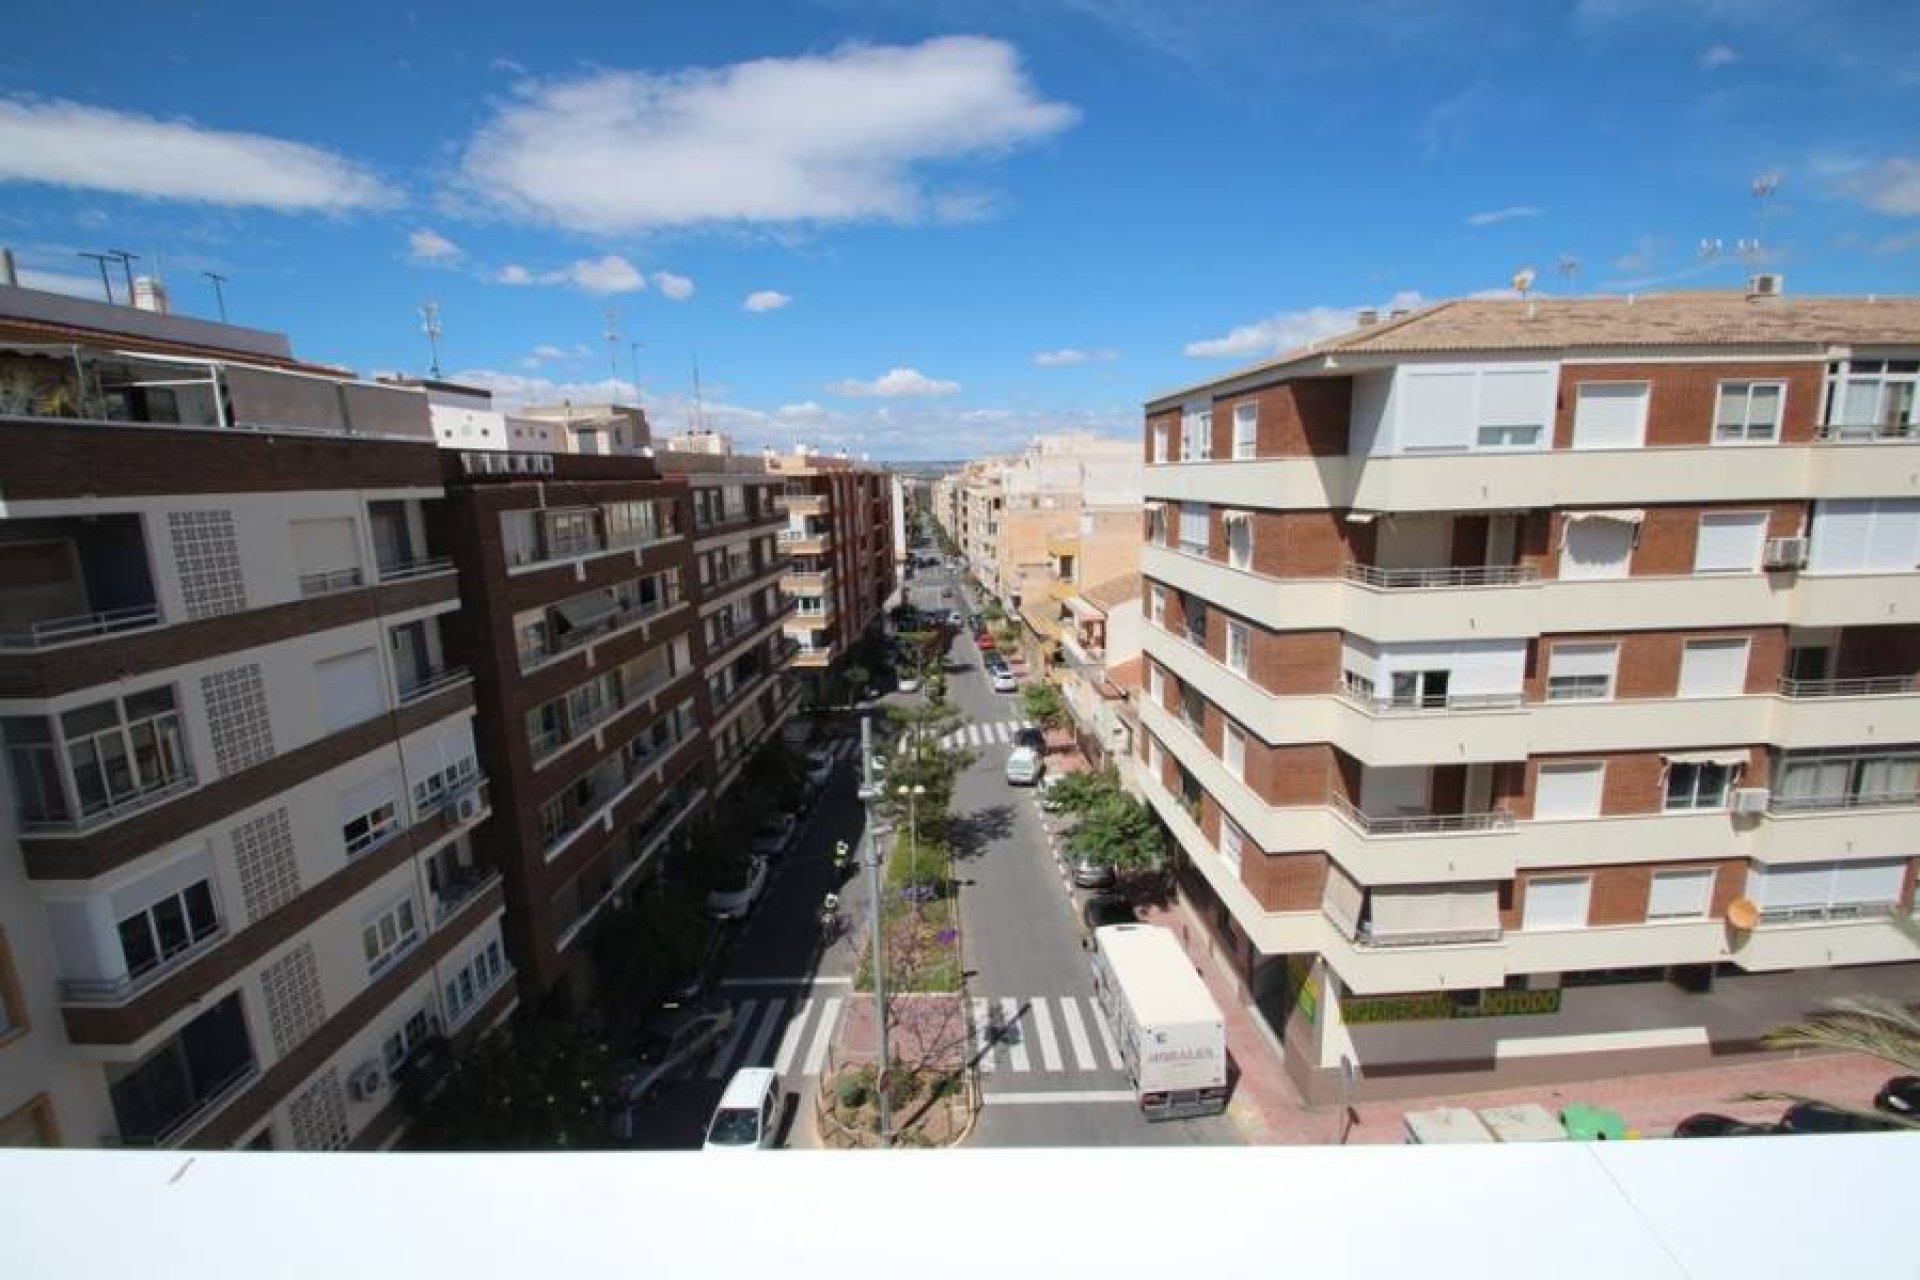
1436 410
1677 894
1841 529
1610 415
1582 660
1558 902
350 689
1730 542
1568 790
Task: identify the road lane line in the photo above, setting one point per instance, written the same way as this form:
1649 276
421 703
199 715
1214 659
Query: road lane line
982 1045
1077 1033
1051 1099
742 1015
822 1037
1016 1040
790 1039
1043 1035
1106 1034
758 1049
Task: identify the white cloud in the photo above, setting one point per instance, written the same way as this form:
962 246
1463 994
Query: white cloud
838 137
1716 56
805 409
676 287
1073 355
1892 186
610 274
895 382
428 245
1286 330
67 144
61 282
766 300
1491 217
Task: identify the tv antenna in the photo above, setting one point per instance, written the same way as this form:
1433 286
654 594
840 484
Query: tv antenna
612 335
106 281
219 294
633 359
1568 269
430 325
126 265
699 399
1523 281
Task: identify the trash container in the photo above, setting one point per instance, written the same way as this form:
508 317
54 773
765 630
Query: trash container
1587 1123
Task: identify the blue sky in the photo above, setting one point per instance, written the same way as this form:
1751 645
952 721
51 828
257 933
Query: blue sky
932 228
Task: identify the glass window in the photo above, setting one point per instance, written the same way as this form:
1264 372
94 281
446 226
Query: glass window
1748 412
1698 786
1193 528
1246 428
1239 646
151 937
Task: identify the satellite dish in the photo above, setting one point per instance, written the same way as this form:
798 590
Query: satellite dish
1743 913
1523 280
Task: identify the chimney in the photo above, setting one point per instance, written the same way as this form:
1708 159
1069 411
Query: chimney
150 294
1367 316
1767 284
8 276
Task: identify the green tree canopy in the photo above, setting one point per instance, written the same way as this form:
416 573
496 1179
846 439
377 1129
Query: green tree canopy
1041 702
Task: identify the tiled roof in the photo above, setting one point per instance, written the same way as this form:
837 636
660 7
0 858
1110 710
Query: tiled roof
1113 591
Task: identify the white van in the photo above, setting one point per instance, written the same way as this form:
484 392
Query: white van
748 1113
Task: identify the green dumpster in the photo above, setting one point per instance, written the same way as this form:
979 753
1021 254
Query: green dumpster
1587 1123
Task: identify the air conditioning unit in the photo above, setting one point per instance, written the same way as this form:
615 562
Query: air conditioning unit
465 806
1785 553
1750 801
367 1081
1767 284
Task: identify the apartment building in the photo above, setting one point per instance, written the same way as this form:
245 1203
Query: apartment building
841 536
1098 647
239 894
1531 684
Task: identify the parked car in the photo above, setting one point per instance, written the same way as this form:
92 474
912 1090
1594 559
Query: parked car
1708 1125
1024 767
736 902
984 640
1103 909
908 684
1003 681
748 1113
1090 873
771 837
1900 1096
1818 1117
674 1045
1030 737
819 768
688 986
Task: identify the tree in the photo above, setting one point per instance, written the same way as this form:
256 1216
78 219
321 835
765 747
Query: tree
1873 1025
855 678
1041 702
1081 792
922 761
542 1085
1122 832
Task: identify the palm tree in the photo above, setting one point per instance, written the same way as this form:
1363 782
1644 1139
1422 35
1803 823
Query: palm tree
1873 1025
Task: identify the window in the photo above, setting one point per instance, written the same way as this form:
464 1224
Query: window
1159 442
111 753
1426 689
176 923
1193 528
388 935
1246 428
591 703
570 533
1157 606
1872 397
1568 790
533 637
1680 895
1156 685
369 813
1577 671
398 1047
518 537
1194 610
1610 415
1713 668
545 728
1239 538
1730 542
1748 412
1697 785
1157 523
1847 781
432 791
1156 759
1827 890
1597 546
1232 842
1865 535
1196 432
1239 646
351 689
1233 750
1557 902
1507 437
1193 708
473 980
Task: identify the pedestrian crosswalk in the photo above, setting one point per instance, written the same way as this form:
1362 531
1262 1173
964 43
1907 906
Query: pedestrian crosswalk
989 733
1011 1035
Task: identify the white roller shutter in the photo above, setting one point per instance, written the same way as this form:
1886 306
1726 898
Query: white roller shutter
1840 531
1788 888
365 797
324 546
1516 397
1610 415
1730 542
350 689
1713 668
1876 883
1894 541
1568 790
1583 660
1434 911
1342 900
1596 549
1436 409
1680 895
1557 902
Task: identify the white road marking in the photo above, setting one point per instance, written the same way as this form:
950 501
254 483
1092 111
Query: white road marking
822 1037
790 1039
742 1015
1054 1099
1016 1039
1003 733
1099 1018
1077 1033
1043 1035
982 1043
798 980
758 1049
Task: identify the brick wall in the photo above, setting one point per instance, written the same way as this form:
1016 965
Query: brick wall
1285 881
1308 544
1294 662
1681 405
1649 661
1634 782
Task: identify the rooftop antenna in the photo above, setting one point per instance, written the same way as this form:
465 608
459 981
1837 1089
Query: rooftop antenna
430 325
612 335
633 360
1568 268
126 264
101 260
1523 285
219 294
699 400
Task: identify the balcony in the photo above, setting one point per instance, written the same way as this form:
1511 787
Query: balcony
816 542
800 582
99 811
1441 578
1420 824
1868 432
409 570
67 581
124 988
812 658
425 684
329 583
47 633
1862 687
801 504
459 886
178 1086
811 619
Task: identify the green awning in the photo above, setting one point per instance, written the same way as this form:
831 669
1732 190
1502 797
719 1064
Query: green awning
1586 1123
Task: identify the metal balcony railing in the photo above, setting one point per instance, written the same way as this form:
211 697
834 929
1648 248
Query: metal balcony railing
100 812
426 684
83 626
329 583
1372 703
459 889
1868 432
1887 799
1859 687
1829 913
1421 824
1479 575
112 991
211 1099
1366 937
406 570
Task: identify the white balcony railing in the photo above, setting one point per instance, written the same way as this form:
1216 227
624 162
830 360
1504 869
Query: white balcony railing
329 583
83 626
1481 575
425 685
1421 824
1860 687
406 570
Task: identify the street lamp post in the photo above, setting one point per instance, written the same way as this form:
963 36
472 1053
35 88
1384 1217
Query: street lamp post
912 794
869 793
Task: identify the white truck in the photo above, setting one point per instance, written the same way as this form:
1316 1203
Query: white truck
1171 1037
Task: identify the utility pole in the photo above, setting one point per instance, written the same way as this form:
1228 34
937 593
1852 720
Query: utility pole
868 794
